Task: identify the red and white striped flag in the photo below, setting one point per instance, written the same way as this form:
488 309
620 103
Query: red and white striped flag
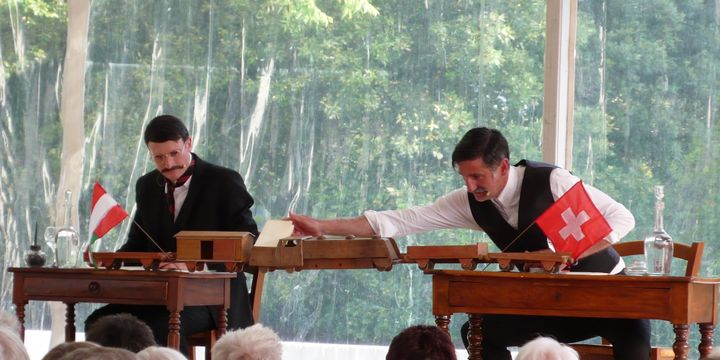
105 214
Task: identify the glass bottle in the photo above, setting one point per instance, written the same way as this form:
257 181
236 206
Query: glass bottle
658 245
67 240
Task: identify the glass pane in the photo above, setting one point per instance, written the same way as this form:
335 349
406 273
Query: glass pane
32 48
326 110
646 114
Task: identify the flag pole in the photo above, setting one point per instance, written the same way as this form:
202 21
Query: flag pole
149 237
512 242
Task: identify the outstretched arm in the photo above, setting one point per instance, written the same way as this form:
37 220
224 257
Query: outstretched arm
306 225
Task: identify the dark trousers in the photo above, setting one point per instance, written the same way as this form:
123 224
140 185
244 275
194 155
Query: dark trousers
630 338
193 319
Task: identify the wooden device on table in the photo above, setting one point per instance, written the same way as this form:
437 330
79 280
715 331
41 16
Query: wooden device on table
233 248
115 260
194 249
298 253
468 256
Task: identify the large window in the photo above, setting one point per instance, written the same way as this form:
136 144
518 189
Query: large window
646 113
345 106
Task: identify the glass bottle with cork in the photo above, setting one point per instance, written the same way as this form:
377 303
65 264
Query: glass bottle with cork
659 244
67 240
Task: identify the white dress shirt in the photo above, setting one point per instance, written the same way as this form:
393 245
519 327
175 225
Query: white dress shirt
180 193
452 210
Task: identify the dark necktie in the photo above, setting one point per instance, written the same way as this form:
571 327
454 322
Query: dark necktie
180 182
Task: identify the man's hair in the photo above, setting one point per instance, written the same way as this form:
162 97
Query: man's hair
421 342
252 343
100 353
165 128
160 353
121 331
545 348
61 349
482 143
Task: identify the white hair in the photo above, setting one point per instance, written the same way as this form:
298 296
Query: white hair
11 346
714 354
9 320
544 348
252 343
160 353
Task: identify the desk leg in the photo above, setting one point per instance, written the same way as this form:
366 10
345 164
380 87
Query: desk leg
174 330
222 327
20 311
443 322
681 346
706 339
69 322
475 337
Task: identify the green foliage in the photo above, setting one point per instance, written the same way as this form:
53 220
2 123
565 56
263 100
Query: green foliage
333 107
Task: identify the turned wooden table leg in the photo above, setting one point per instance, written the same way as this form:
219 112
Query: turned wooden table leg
222 327
174 330
706 339
475 337
681 346
443 322
20 311
69 322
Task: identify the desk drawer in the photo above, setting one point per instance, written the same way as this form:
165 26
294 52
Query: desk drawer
101 290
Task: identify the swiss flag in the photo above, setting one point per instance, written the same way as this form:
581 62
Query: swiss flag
573 223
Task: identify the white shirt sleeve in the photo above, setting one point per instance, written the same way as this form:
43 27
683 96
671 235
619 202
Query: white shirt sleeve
618 216
450 211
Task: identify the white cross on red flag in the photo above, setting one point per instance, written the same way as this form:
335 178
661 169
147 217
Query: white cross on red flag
573 223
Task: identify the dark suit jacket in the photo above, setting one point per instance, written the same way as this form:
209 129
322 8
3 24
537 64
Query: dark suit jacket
217 200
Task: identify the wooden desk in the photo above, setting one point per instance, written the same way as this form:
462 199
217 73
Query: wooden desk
680 300
174 289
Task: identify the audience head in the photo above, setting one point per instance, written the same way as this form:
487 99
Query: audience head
100 353
61 349
714 355
10 321
11 345
544 348
122 330
252 343
160 353
421 342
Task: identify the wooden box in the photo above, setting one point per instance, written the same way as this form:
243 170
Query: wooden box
230 247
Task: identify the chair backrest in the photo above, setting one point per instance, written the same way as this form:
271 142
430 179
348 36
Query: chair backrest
691 253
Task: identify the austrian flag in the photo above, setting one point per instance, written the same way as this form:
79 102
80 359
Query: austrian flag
105 214
573 223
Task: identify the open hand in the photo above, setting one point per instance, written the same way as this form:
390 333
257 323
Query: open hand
304 225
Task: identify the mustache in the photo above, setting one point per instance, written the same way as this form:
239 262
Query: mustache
176 167
482 191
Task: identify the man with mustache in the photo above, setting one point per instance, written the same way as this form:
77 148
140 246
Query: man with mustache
503 200
184 192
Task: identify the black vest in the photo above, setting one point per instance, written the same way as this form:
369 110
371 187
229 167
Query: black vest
535 198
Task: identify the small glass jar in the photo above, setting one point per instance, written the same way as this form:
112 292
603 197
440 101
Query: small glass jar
35 257
637 268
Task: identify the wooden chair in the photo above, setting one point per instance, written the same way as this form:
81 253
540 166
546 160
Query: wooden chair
692 254
208 338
